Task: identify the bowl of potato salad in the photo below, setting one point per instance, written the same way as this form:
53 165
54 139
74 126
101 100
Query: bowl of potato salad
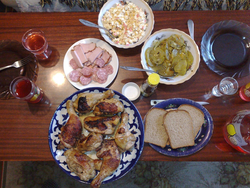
130 21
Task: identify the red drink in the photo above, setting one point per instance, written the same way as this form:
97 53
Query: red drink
23 88
237 131
35 42
245 92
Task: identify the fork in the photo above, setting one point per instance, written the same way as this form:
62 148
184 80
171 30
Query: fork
145 70
18 64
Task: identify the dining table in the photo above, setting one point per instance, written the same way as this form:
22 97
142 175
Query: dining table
24 126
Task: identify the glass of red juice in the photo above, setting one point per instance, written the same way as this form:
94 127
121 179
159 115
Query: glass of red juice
34 41
23 88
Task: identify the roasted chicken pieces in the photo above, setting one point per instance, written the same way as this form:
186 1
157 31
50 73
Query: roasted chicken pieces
108 107
102 125
108 118
82 165
90 142
123 137
85 102
72 130
111 159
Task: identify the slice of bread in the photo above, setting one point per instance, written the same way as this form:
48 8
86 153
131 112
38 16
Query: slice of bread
179 127
196 114
155 132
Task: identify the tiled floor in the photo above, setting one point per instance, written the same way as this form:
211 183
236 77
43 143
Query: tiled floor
143 175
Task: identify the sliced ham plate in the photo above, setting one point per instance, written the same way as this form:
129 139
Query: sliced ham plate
114 62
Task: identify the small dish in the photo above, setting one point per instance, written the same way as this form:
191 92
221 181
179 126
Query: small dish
193 48
131 90
11 51
140 3
225 48
203 136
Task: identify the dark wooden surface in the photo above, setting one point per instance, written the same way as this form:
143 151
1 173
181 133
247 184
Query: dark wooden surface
24 127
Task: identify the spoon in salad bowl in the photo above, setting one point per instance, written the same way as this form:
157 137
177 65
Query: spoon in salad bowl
191 28
145 70
91 24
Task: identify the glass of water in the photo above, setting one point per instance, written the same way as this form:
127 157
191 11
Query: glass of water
227 86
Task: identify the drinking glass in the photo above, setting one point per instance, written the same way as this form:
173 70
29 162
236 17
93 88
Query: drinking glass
23 88
34 41
227 86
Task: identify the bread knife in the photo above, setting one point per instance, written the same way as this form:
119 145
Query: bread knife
154 102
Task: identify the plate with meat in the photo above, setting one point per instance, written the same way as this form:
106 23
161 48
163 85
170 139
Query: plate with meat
96 135
90 62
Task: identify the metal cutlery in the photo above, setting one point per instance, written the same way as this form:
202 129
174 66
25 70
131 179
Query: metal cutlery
154 102
145 70
18 64
191 28
91 24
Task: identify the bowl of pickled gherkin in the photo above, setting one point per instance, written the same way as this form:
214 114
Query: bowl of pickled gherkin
172 53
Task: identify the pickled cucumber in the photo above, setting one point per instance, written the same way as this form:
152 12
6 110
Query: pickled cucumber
169 57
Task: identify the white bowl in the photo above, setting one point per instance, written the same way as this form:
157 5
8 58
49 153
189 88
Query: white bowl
140 3
193 48
131 90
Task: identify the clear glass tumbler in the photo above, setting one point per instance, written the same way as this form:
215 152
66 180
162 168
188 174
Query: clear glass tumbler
34 41
23 88
227 86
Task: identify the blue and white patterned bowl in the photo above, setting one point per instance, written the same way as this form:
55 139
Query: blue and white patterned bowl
203 136
128 159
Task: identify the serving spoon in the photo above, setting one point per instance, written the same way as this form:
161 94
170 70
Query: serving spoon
145 70
191 28
91 24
